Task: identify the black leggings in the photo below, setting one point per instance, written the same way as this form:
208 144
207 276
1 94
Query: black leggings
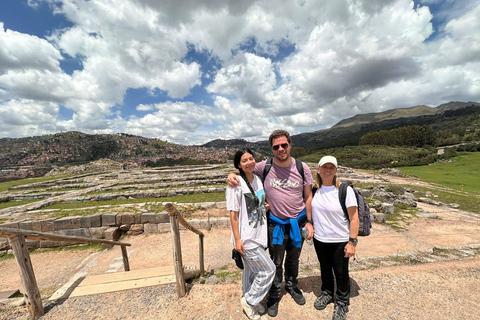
334 266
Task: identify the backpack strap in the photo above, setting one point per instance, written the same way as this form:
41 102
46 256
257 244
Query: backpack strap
266 170
268 166
342 196
299 165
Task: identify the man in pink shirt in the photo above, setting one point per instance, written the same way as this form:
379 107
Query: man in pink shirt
286 193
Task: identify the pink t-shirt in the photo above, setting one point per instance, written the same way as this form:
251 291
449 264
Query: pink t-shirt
284 188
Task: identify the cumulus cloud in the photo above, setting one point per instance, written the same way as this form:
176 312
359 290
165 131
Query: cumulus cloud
20 52
248 77
298 65
27 118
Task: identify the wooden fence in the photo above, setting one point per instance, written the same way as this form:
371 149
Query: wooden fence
176 219
17 238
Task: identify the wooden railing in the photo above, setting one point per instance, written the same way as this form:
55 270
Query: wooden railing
17 238
176 219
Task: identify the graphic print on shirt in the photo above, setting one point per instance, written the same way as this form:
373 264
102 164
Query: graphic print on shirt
283 183
256 215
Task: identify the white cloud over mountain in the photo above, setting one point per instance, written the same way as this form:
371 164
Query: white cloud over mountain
233 69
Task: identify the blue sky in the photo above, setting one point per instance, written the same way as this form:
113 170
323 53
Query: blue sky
192 71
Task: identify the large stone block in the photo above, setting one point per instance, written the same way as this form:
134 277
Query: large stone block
37 226
113 234
11 225
127 218
149 217
150 228
98 232
212 222
26 225
224 222
164 227
80 232
75 222
63 224
163 217
47 225
96 220
138 218
109 220
32 244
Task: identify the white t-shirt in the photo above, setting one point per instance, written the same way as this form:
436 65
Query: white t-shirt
252 219
330 223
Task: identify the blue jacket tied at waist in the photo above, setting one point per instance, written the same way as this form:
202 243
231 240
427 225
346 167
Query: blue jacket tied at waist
279 230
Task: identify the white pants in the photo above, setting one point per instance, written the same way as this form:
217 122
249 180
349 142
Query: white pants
258 273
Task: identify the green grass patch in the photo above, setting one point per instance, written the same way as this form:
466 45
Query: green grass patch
166 188
463 170
9 204
6 256
189 198
4 186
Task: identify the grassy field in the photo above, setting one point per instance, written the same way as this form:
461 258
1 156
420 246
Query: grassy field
462 172
189 198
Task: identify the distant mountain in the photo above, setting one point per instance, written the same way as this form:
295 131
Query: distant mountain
77 148
412 112
349 131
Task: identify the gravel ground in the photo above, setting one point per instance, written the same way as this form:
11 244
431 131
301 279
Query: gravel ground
445 290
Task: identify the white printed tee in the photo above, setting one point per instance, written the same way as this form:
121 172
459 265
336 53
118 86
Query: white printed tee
252 219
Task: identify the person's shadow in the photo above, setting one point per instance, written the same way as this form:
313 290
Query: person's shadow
314 284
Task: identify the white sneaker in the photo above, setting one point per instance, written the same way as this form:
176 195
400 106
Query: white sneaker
250 311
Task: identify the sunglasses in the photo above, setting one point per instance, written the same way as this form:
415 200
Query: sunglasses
277 146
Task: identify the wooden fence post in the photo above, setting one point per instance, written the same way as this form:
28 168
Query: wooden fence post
32 293
177 255
126 265
200 254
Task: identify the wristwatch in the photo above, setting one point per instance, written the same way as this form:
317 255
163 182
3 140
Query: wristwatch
354 241
310 221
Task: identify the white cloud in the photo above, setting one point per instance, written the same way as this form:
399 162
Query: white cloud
345 57
20 51
27 118
248 77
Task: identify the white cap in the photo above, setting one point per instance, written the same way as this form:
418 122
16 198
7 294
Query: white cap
328 159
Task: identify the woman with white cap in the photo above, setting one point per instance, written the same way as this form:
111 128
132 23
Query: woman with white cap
335 236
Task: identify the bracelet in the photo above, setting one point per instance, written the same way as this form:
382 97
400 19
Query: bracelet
310 221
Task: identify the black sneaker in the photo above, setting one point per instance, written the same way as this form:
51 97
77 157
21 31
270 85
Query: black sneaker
272 306
297 295
340 311
322 301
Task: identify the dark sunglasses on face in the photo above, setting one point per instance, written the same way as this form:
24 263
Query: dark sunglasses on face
277 146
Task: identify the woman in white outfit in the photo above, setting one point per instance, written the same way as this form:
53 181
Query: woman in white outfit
246 204
335 237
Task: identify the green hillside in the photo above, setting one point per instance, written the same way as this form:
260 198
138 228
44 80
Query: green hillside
463 170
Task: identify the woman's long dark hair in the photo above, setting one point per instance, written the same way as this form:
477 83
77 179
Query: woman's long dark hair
236 163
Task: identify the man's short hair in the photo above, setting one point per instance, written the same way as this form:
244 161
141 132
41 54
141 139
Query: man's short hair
280 133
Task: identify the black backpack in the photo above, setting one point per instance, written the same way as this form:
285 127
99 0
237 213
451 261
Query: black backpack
365 223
